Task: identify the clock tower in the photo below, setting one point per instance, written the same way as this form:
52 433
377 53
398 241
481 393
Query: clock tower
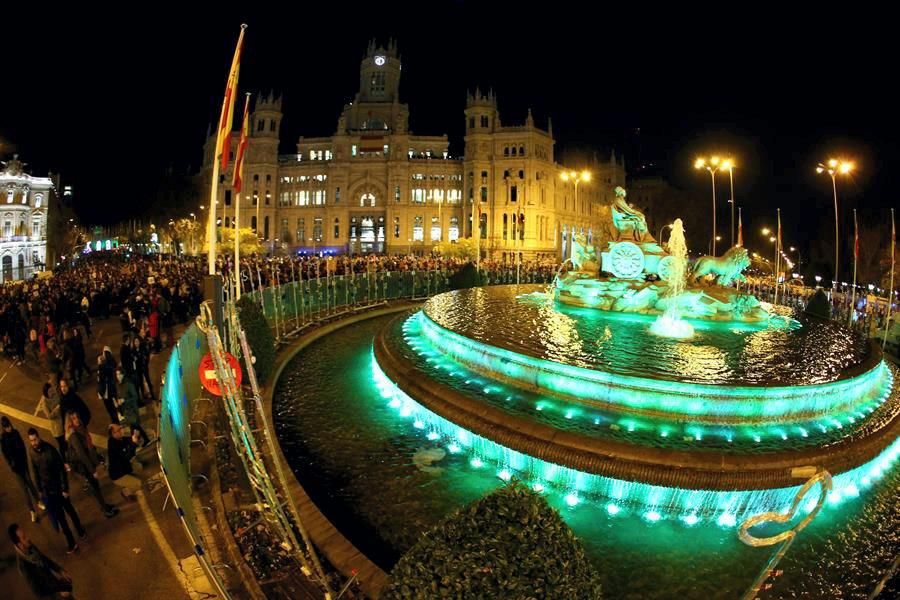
379 74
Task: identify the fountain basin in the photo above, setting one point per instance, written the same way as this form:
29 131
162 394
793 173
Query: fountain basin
653 396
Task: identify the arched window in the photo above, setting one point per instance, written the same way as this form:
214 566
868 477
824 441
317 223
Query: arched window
337 228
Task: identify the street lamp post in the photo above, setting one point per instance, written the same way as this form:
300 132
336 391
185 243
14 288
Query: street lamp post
712 165
728 164
833 168
577 177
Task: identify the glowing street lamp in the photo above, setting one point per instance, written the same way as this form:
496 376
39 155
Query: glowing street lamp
728 165
577 177
835 167
713 164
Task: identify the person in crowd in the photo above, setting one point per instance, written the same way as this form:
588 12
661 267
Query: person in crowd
106 383
128 405
17 459
123 462
141 355
72 402
84 459
44 576
49 404
52 483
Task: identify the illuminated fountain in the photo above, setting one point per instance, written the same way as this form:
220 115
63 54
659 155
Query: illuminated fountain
573 390
670 323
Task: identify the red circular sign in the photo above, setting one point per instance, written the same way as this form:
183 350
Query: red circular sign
208 376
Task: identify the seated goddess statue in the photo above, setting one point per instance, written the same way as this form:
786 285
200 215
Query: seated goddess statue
628 221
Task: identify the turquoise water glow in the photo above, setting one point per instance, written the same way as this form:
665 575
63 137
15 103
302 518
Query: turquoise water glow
781 352
359 460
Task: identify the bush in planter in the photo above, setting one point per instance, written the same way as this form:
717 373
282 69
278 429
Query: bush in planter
509 544
259 337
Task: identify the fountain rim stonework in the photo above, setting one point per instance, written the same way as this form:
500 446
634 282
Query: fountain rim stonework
698 470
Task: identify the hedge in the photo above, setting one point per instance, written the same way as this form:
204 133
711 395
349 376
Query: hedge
509 544
259 337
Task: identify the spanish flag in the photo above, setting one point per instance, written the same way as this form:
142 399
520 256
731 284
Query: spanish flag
237 176
223 139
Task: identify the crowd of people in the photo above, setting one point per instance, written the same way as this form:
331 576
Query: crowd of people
44 324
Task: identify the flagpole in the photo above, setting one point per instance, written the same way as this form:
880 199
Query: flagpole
855 259
223 141
890 294
239 176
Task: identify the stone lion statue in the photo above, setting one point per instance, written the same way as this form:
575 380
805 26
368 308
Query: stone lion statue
584 255
727 269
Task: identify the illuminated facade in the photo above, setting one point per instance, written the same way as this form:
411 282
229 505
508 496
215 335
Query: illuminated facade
23 237
373 186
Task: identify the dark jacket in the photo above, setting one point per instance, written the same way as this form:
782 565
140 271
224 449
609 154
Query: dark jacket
120 454
106 379
81 455
41 573
72 402
14 451
49 473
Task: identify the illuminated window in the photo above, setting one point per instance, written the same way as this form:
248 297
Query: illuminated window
337 195
418 195
453 232
38 200
301 230
396 227
317 229
418 229
435 229
318 197
353 150
367 200
397 194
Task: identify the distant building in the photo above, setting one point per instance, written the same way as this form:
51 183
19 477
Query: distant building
23 238
374 186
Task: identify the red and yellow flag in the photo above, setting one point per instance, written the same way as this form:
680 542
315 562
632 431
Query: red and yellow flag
223 139
237 178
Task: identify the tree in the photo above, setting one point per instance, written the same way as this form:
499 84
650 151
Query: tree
509 544
225 244
463 248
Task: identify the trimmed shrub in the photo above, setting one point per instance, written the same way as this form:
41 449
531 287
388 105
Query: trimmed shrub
509 544
466 277
259 337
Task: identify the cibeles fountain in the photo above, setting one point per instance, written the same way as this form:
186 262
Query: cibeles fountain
636 275
643 381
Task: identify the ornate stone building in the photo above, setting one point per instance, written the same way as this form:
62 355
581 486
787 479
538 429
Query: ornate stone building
374 186
23 218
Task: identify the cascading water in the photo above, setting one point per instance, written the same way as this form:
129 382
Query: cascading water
670 324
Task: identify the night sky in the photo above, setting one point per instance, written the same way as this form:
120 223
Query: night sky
111 99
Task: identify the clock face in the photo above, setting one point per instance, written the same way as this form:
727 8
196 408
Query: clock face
379 60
